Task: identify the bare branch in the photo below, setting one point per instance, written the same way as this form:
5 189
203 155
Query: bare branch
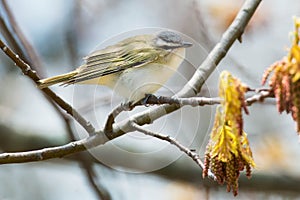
191 101
191 89
26 69
101 138
25 49
54 152
153 100
173 141
259 97
202 101
180 102
113 114
233 33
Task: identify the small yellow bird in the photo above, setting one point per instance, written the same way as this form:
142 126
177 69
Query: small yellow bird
134 67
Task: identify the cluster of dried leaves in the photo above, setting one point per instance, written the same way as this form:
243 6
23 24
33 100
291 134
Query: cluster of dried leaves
285 81
228 151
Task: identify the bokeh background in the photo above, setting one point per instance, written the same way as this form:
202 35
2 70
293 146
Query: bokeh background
135 166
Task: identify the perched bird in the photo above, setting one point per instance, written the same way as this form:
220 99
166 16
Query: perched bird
133 67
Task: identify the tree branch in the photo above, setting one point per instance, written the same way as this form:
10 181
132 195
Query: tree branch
259 97
26 69
190 89
108 128
53 152
24 49
101 138
173 141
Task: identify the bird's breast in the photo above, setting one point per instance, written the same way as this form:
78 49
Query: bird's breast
135 82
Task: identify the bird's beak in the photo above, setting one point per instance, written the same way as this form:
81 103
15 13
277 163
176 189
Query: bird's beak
186 44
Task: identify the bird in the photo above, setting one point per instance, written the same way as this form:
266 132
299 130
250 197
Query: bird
133 68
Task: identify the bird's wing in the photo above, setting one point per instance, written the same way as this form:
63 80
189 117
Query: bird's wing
113 60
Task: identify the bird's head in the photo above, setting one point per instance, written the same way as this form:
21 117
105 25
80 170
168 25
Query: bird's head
169 40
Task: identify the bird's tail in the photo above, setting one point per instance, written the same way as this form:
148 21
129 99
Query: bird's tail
43 83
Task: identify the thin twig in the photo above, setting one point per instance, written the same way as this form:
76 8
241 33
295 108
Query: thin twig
113 114
173 141
24 49
259 97
26 69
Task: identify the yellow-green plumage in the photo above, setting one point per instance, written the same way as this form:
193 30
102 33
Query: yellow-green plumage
132 67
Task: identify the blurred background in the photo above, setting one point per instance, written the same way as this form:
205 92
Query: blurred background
135 166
